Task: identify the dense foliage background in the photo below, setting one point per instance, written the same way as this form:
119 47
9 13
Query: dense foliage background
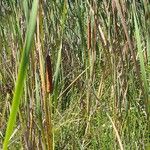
100 59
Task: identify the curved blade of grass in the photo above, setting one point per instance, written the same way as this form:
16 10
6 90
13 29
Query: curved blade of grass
116 131
22 74
141 58
57 72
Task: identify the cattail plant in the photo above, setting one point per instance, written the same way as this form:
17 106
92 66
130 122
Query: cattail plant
49 89
97 96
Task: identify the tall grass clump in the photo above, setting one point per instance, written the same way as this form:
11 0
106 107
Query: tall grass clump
85 82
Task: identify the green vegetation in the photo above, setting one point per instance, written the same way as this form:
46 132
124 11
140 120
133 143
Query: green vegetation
100 60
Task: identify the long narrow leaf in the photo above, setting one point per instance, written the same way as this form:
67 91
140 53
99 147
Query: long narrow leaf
22 74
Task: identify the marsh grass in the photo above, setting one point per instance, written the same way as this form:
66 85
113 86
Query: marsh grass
100 61
21 75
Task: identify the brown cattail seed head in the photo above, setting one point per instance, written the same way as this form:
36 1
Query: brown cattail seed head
49 84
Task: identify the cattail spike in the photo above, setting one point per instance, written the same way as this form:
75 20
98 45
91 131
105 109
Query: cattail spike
49 84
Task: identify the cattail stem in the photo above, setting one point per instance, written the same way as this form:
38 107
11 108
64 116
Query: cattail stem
49 89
